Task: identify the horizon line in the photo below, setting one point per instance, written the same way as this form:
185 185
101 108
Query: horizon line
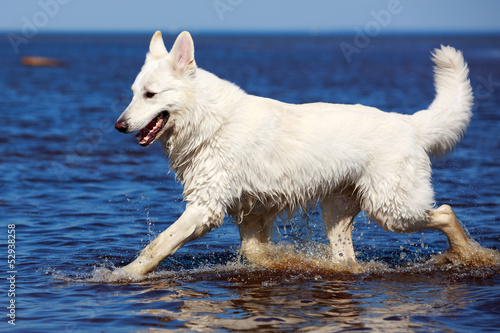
262 32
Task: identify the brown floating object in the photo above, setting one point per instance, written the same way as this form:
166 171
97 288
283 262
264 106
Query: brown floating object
41 62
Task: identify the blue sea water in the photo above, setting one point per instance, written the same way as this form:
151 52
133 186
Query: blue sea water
82 197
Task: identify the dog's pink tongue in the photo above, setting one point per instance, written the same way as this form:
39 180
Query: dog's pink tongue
143 132
148 133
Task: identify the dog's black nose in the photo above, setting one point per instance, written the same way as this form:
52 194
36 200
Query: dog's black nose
121 125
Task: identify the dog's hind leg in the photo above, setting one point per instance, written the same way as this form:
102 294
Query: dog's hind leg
338 215
445 220
462 250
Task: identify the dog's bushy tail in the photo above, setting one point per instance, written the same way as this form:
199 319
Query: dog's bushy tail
442 125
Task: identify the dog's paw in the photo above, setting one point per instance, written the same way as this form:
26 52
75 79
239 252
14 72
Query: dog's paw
114 275
471 254
123 274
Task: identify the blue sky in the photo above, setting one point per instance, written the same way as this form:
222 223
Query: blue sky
198 16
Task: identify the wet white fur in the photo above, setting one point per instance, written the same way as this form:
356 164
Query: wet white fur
254 157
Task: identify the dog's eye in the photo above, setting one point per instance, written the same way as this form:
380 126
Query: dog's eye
149 94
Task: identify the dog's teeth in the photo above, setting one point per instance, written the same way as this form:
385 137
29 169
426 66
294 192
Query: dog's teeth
149 132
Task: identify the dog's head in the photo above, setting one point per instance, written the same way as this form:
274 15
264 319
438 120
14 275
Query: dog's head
160 90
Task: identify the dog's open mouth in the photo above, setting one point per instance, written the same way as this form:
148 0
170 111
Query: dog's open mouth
149 134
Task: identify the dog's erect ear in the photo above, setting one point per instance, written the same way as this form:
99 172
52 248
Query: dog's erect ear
182 53
157 49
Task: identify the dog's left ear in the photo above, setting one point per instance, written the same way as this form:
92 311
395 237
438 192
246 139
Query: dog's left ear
157 49
182 53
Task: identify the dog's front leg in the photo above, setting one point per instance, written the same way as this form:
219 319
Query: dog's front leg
192 224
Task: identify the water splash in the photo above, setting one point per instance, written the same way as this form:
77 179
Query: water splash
277 261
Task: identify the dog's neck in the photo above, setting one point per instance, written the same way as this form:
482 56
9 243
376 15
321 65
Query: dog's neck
215 100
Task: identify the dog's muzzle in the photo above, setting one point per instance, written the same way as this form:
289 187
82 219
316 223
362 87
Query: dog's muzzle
121 126
152 131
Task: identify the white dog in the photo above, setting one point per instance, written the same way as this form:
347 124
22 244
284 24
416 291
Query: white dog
253 158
